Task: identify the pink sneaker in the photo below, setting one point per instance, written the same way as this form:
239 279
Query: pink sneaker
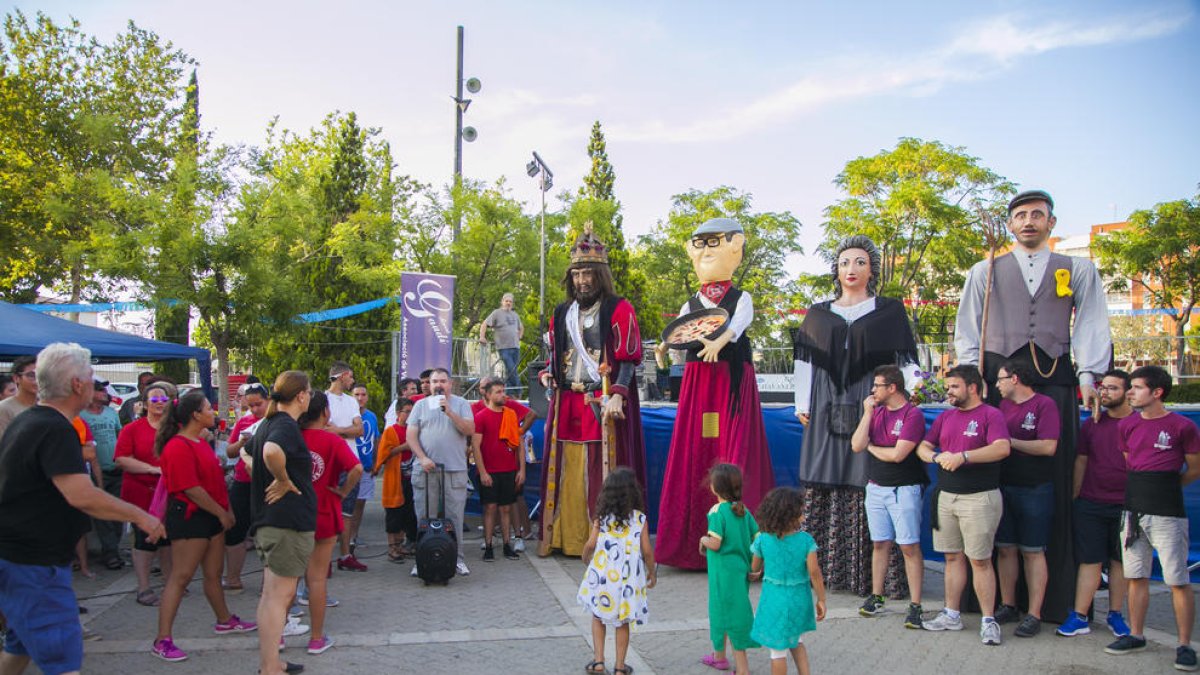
712 661
351 563
320 645
166 650
234 625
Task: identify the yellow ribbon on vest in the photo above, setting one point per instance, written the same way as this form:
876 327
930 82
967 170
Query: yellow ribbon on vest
1063 277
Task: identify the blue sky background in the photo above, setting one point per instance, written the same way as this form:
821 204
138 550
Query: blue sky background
1096 101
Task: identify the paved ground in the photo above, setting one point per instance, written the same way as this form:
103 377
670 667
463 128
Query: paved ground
520 616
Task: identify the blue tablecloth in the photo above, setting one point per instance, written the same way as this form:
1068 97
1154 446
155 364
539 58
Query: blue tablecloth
784 434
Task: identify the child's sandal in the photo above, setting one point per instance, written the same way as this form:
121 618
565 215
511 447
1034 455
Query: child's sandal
592 668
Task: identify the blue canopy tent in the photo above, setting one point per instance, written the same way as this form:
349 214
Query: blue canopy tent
24 331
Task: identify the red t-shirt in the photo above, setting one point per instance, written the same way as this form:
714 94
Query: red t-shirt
188 464
330 458
512 404
240 474
498 457
136 440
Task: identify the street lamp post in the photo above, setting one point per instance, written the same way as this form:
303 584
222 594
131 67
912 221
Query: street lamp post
461 134
538 169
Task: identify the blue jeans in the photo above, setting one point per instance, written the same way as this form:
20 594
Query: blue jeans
511 357
43 616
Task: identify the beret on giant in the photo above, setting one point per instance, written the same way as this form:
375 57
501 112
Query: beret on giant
1030 196
718 226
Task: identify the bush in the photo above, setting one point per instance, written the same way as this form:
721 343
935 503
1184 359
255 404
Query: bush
1185 393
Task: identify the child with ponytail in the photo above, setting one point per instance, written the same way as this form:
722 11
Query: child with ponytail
731 528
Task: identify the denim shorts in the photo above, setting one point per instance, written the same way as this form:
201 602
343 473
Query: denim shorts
1028 514
894 513
43 616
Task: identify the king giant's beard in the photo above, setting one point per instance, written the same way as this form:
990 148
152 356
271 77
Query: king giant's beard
587 298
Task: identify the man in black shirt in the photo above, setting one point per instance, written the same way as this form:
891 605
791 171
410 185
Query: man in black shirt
46 498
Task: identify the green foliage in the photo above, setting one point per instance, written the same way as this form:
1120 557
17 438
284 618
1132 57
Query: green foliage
87 136
770 238
598 184
916 202
1160 249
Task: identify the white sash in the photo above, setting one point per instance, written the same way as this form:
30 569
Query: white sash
593 368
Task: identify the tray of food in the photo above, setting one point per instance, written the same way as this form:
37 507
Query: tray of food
686 331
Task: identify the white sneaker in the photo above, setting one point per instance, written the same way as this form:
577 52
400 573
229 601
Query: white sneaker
413 573
462 568
518 544
294 627
943 622
989 633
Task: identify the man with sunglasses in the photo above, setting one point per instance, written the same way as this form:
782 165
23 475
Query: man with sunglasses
720 414
24 373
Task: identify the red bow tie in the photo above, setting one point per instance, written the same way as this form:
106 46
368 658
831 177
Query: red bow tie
716 290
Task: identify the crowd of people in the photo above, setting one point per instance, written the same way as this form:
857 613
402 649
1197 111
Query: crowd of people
1023 490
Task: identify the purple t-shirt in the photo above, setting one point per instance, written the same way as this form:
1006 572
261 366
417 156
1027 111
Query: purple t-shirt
1105 474
1158 444
888 427
1036 419
960 431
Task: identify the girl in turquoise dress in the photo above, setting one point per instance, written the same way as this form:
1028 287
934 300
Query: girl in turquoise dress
731 528
620 567
786 559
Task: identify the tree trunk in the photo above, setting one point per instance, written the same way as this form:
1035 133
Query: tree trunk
1181 361
221 346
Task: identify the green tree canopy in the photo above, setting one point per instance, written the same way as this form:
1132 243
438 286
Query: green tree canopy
917 203
1160 249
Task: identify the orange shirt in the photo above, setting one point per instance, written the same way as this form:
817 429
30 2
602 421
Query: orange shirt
393 477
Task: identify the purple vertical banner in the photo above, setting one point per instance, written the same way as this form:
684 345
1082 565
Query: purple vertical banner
426 322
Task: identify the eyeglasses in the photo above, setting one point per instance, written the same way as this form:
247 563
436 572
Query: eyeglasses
29 375
712 240
1005 377
877 385
158 399
1105 387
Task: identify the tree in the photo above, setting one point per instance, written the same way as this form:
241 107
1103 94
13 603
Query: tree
598 184
917 203
1160 249
86 135
770 239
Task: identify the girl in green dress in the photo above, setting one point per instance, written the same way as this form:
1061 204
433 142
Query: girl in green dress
731 528
786 558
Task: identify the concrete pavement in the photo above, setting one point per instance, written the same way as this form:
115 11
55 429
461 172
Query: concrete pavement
521 616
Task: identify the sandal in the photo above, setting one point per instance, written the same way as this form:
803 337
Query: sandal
712 661
148 598
592 668
626 669
395 553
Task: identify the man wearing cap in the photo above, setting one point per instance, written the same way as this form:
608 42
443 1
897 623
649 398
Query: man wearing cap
594 422
103 421
720 415
1035 292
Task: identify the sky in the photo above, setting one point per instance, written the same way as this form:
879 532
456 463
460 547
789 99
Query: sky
1095 101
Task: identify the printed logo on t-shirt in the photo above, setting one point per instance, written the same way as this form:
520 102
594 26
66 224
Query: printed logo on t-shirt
972 429
318 469
897 427
1164 441
1030 422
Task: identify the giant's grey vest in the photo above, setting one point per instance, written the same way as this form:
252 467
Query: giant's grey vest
1015 318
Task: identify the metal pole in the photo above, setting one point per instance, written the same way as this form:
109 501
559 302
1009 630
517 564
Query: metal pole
458 127
542 272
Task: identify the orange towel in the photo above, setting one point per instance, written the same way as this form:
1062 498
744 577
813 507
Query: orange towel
510 429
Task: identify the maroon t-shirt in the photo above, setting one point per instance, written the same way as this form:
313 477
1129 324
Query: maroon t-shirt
1105 475
1158 444
1036 419
960 431
889 427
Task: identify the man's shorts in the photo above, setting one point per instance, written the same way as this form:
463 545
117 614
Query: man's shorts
1028 512
967 523
284 552
201 525
502 491
1168 536
1097 532
43 617
366 487
351 498
894 513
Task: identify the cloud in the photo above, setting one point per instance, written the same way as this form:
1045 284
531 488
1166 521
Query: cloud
980 50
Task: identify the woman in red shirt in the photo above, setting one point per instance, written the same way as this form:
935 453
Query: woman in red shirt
137 459
255 399
196 519
330 458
